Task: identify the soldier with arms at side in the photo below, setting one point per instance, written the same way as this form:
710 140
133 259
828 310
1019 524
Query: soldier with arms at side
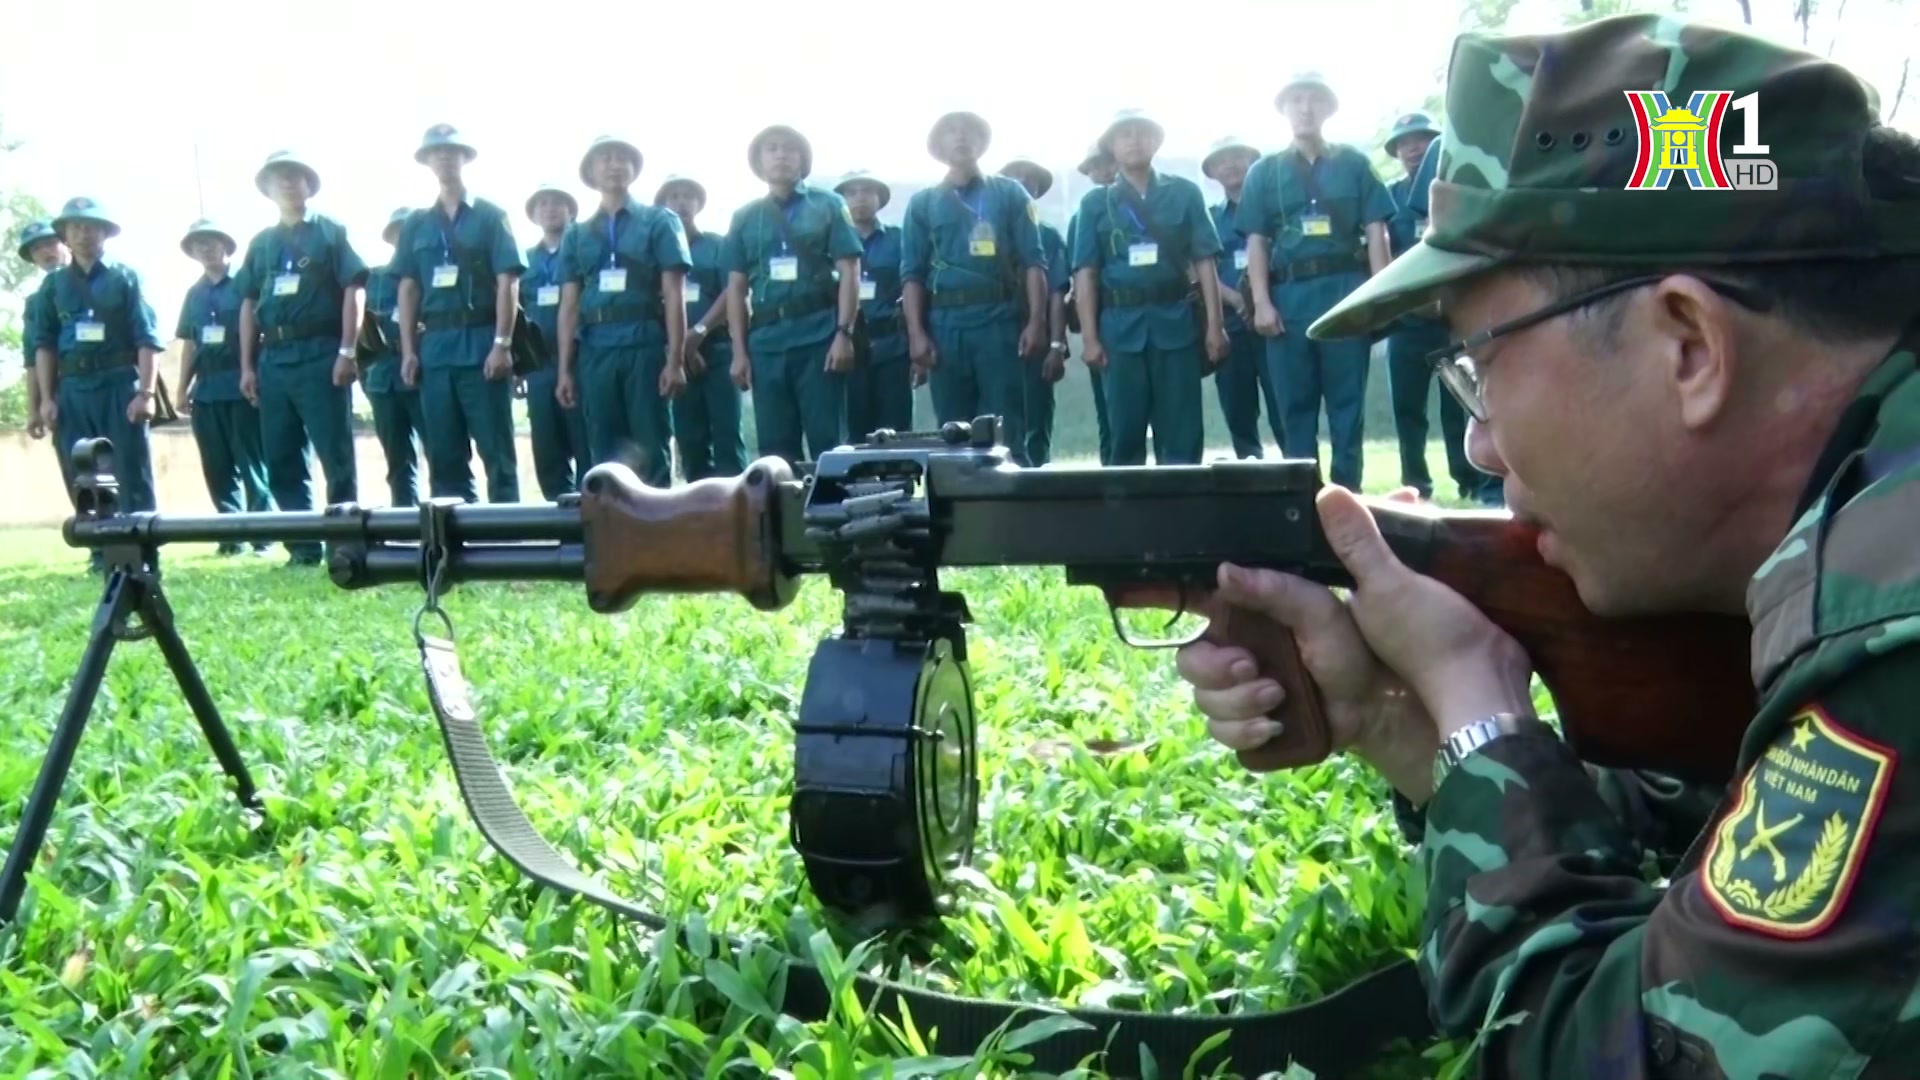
1038 379
457 262
706 417
226 426
301 291
41 246
559 432
1099 167
399 420
1242 382
880 388
1716 409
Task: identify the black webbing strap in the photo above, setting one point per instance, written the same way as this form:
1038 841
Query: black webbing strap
1334 1036
300 331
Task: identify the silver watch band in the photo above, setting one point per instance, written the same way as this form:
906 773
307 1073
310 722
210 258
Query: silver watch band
1469 740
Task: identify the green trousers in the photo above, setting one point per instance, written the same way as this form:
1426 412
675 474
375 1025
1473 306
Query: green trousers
1037 402
627 420
706 419
561 454
466 411
1308 372
400 422
1098 380
300 407
94 406
1242 386
979 374
796 398
880 394
1409 378
227 434
1157 389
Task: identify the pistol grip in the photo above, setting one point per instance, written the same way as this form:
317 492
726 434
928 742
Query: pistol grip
1305 738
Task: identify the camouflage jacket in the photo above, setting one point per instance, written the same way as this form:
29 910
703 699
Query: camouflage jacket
1785 945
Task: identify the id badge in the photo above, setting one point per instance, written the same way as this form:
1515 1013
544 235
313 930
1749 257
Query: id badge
981 243
213 335
1143 254
693 292
867 288
613 279
547 296
444 277
1240 259
1316 225
783 268
1420 227
286 284
89 331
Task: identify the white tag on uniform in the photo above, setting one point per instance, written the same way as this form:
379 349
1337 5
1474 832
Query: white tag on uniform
89 331
286 284
1316 225
444 276
981 246
693 292
547 296
613 279
783 268
1420 227
213 335
1143 254
867 288
1240 259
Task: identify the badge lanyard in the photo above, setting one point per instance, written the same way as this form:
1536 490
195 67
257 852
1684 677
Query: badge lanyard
613 237
784 223
290 248
446 233
93 288
213 300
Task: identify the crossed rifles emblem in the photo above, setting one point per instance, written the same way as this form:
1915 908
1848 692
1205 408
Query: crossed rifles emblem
1763 838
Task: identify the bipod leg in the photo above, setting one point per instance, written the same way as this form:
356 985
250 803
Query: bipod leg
157 614
123 593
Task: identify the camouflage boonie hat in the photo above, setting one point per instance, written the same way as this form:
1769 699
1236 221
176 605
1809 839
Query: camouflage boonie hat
1545 162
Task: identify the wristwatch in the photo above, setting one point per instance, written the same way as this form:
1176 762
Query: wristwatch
346 352
847 329
700 328
503 342
1467 741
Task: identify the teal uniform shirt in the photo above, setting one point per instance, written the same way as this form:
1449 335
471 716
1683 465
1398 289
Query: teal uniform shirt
1284 199
1231 262
210 317
297 278
455 261
880 294
540 294
383 300
943 225
707 282
1053 248
617 260
813 227
1114 234
30 321
95 321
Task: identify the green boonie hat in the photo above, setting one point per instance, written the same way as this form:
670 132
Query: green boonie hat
633 154
553 188
82 208
1414 123
1094 156
862 176
1307 80
1130 116
974 120
206 227
1544 151
1224 147
391 231
806 149
32 233
286 159
675 180
1020 165
444 135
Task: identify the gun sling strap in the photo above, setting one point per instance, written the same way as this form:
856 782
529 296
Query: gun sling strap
1333 1036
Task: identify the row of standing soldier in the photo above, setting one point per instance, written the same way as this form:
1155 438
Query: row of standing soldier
633 330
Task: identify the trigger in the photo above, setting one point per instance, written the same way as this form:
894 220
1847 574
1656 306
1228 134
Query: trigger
1175 617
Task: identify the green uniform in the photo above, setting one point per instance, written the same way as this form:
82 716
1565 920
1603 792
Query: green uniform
561 453
1314 218
787 252
226 426
297 279
880 390
1141 249
1096 378
399 418
706 416
31 316
1036 391
96 321
455 260
1781 943
971 247
617 260
1242 381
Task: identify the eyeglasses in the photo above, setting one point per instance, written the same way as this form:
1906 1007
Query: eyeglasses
1461 376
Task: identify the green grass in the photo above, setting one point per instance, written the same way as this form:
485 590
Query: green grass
364 929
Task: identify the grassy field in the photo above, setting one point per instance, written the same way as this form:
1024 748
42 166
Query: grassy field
363 928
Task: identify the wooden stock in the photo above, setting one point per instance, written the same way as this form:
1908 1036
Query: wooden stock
713 535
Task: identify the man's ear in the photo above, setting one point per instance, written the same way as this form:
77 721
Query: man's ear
1695 342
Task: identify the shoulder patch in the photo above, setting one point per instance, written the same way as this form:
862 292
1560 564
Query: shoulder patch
1783 861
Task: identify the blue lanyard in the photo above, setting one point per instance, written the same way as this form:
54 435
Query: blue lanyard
978 208
547 259
290 247
213 300
613 237
1138 225
446 233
